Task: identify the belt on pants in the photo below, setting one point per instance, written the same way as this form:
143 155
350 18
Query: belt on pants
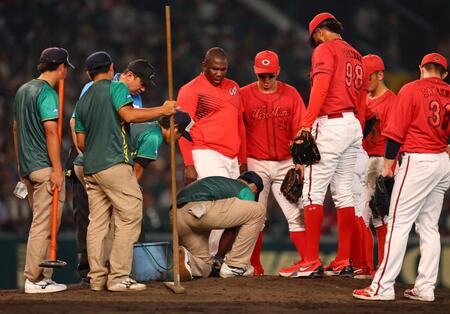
337 115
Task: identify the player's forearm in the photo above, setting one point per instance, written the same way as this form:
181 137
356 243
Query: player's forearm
80 141
73 133
137 115
138 171
317 97
186 151
392 148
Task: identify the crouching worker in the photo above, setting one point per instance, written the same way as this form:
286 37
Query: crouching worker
219 203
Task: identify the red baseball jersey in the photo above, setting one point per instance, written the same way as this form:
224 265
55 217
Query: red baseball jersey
271 120
375 143
344 64
420 119
217 113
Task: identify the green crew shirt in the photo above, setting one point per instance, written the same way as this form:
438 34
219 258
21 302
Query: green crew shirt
213 189
107 140
35 102
146 139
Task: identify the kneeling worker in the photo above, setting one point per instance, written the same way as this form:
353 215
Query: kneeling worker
219 203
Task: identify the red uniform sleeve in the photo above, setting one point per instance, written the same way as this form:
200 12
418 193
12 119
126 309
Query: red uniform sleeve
299 113
322 60
400 116
319 91
187 101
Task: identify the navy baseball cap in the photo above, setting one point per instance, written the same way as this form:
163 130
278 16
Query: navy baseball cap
253 177
144 70
182 120
55 55
98 60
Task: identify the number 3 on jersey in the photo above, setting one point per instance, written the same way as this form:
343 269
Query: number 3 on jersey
353 74
435 119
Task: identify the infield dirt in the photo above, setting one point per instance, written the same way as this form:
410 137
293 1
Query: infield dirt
267 294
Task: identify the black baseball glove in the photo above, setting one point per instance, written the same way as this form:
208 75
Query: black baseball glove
292 186
382 197
305 153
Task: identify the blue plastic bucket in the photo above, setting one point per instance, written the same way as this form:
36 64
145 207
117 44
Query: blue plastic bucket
150 261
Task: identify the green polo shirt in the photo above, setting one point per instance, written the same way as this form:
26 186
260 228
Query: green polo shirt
146 139
35 102
213 189
107 141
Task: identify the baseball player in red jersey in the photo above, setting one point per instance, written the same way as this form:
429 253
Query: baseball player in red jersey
337 95
218 135
379 101
273 111
418 126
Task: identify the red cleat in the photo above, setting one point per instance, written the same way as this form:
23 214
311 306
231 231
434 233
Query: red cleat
289 271
312 269
362 273
369 295
340 268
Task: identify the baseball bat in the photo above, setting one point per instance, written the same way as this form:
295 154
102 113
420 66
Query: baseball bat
52 262
175 286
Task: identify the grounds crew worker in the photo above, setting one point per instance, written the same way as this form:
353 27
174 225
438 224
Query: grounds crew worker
38 155
102 117
218 203
138 77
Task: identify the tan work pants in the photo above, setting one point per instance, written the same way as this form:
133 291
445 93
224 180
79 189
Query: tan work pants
112 191
40 197
221 214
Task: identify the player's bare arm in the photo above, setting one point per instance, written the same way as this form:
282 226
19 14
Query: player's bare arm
73 133
54 153
190 174
80 141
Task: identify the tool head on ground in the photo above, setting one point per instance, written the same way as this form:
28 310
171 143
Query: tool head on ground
52 264
175 288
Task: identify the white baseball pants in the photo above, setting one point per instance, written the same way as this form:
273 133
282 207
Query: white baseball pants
272 173
338 141
417 197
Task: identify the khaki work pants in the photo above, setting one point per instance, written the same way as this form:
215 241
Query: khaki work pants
221 214
40 197
114 191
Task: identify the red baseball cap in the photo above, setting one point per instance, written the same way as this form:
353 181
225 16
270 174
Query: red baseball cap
319 18
373 63
266 62
434 58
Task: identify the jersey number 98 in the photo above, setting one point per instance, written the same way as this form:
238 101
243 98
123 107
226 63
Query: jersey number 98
353 74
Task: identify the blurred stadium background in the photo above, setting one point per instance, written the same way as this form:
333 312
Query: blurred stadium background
400 31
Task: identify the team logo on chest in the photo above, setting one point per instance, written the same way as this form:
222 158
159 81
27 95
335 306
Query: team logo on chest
233 91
